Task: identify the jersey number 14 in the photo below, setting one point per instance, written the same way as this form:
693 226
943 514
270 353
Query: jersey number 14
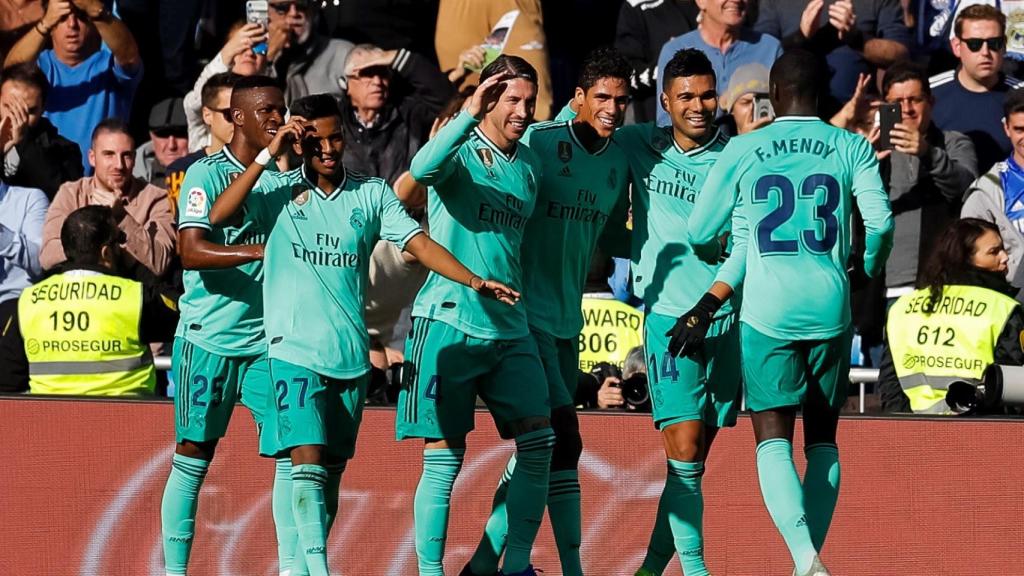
824 212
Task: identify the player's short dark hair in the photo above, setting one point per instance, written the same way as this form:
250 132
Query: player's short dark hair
86 231
27 73
214 85
684 63
112 124
246 83
800 73
604 62
979 12
1014 102
514 65
315 106
906 71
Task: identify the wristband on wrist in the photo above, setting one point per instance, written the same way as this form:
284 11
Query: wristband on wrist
42 29
264 157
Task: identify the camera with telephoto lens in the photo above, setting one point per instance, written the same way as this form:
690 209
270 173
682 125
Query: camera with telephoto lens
1001 387
634 388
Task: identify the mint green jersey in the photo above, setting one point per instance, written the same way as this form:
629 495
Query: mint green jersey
317 262
667 180
222 310
566 113
794 183
478 202
577 193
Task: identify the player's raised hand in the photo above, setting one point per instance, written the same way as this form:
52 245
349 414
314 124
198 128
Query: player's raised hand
487 94
292 131
691 329
494 289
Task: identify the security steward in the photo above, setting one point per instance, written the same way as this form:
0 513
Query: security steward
85 330
961 319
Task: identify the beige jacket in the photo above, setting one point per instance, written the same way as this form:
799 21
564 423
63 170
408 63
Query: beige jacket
148 223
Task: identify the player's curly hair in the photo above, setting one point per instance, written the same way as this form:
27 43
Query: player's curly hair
684 63
604 62
950 260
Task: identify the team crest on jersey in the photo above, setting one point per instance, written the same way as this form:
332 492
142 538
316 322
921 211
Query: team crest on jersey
300 194
660 141
195 203
358 219
486 156
565 171
564 151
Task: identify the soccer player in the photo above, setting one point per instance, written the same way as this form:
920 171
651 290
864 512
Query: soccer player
219 348
793 184
324 223
584 178
692 397
482 190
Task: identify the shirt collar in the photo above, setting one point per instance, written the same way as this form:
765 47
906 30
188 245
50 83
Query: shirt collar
572 134
320 191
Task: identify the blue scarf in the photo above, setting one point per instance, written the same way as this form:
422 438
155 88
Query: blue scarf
1013 193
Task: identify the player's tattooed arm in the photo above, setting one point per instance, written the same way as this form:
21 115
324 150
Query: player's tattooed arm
198 253
440 260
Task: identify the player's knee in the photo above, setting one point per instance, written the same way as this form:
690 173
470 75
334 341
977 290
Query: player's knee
198 450
684 441
568 442
517 428
307 455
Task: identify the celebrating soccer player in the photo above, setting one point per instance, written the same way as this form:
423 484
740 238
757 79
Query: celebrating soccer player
584 179
324 223
219 348
793 185
483 188
693 397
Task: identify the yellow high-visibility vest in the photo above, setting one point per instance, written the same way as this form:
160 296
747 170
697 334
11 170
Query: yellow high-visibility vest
610 330
81 333
955 341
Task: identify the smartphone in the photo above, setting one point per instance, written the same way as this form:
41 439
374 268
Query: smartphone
763 107
888 116
256 13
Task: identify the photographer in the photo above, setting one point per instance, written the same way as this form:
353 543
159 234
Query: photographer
606 387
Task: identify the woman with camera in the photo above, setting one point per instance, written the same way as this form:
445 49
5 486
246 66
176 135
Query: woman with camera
961 319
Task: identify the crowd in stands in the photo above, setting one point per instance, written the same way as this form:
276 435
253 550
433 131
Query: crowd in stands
108 102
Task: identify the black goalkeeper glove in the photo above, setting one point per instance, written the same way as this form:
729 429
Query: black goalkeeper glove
690 330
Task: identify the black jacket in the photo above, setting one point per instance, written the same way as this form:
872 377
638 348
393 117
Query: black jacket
644 27
47 160
386 148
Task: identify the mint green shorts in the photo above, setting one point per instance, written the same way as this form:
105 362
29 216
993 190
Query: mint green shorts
703 387
315 410
209 385
780 373
444 371
560 358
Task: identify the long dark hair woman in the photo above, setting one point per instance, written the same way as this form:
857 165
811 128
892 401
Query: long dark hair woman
961 318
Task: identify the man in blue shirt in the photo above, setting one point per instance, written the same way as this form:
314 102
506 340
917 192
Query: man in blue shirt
722 37
93 68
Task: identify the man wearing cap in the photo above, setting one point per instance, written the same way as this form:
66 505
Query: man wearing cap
140 209
737 102
168 141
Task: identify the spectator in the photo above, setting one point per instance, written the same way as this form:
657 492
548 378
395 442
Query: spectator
963 310
17 20
36 156
93 68
140 209
856 35
606 387
977 85
236 56
724 38
737 101
85 330
463 24
22 211
998 195
643 28
383 132
926 175
306 61
216 106
168 142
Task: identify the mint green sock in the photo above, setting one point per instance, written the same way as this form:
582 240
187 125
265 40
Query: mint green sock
492 543
564 512
686 514
821 489
331 493
432 504
784 497
310 511
284 518
527 496
661 546
178 510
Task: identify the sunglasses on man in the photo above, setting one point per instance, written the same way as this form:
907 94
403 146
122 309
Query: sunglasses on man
995 44
282 8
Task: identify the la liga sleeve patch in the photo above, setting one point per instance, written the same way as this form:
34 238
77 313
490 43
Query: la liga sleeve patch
195 204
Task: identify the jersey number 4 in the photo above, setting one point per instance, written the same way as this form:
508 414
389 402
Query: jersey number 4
824 212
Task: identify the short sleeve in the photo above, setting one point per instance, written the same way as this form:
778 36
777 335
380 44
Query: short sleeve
199 189
395 224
